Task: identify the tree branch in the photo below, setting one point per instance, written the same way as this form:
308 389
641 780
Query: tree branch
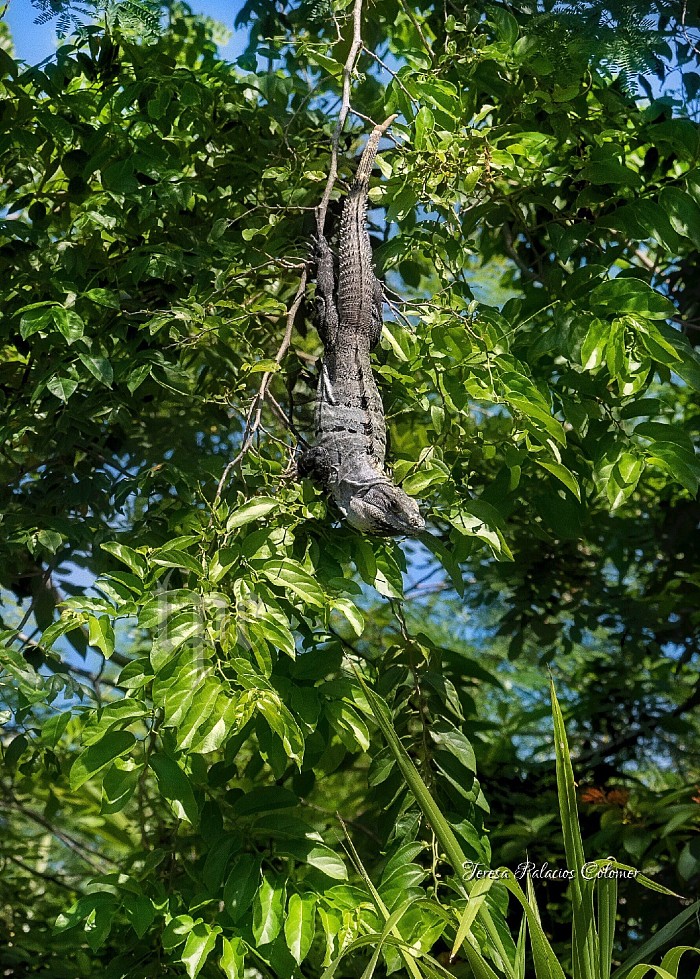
348 68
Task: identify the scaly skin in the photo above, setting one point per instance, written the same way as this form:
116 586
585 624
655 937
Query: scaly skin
349 455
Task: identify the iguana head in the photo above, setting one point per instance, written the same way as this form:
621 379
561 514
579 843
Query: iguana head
384 509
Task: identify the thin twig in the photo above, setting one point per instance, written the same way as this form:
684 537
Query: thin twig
684 29
346 819
255 412
80 849
40 873
390 72
284 418
419 30
411 327
645 260
361 115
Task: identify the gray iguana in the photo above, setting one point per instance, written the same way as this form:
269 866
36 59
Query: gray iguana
350 446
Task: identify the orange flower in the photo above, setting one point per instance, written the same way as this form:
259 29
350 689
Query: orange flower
592 796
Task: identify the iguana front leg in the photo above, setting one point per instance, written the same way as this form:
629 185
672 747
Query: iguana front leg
326 312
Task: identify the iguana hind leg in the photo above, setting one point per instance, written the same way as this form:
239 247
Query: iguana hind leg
326 313
377 304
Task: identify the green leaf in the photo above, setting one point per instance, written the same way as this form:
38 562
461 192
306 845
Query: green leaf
585 937
683 212
615 349
137 376
671 449
101 634
35 319
648 407
658 432
49 539
54 728
451 739
232 960
291 576
628 295
14 751
417 483
62 387
241 885
222 562
432 813
98 756
506 25
299 926
99 922
176 931
103 297
173 557
140 912
474 903
679 462
610 172
121 713
128 556
283 724
199 708
69 323
661 938
594 345
351 728
118 787
99 367
352 613
333 68
199 944
119 177
316 855
271 625
268 911
424 123
630 467
254 509
175 786
607 914
388 579
657 345
563 474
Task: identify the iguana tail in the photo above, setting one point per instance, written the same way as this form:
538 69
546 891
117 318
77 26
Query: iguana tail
361 182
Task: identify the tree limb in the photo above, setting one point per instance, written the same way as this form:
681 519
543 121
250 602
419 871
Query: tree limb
348 68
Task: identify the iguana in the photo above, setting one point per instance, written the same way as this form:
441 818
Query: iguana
350 446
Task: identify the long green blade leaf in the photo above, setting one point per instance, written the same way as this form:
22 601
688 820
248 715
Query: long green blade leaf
585 939
437 821
607 912
661 938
